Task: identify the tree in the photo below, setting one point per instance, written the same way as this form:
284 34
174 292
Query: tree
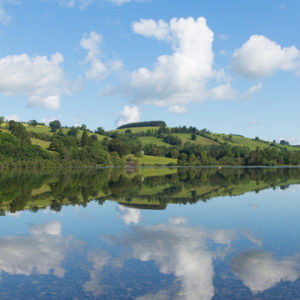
19 131
285 143
83 127
1 120
100 130
32 123
116 145
84 139
73 131
55 125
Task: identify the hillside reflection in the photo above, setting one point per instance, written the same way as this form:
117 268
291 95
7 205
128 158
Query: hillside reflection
140 188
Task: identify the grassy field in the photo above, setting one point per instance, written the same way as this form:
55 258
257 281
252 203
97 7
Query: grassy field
186 137
47 130
45 145
155 160
146 140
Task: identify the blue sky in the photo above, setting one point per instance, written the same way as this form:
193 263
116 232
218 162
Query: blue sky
229 66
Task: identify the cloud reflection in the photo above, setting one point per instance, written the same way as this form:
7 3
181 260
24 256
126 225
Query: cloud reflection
42 252
259 271
129 215
99 260
181 251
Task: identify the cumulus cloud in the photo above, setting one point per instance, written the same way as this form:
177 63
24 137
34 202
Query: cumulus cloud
39 78
248 94
259 271
73 3
128 115
129 215
42 252
98 70
259 57
187 75
150 28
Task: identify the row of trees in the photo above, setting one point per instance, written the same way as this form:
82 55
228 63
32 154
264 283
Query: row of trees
144 124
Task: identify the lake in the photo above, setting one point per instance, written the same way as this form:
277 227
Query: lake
152 233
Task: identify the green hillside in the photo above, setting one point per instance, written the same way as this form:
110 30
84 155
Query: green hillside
207 140
36 144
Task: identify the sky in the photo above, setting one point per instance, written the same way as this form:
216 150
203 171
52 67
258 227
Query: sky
228 66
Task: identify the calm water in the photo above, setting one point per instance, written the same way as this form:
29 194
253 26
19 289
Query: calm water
150 234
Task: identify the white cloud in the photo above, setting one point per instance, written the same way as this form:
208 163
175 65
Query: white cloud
39 78
259 271
72 3
14 117
98 70
42 252
129 215
177 109
129 115
150 28
248 94
92 43
185 76
260 57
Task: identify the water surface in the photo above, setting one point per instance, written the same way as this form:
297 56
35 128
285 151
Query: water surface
150 234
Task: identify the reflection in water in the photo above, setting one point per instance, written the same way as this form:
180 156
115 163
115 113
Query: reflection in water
99 260
177 220
41 252
259 271
181 251
162 261
56 188
129 215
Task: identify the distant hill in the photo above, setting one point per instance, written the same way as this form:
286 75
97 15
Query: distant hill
203 137
142 143
144 124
